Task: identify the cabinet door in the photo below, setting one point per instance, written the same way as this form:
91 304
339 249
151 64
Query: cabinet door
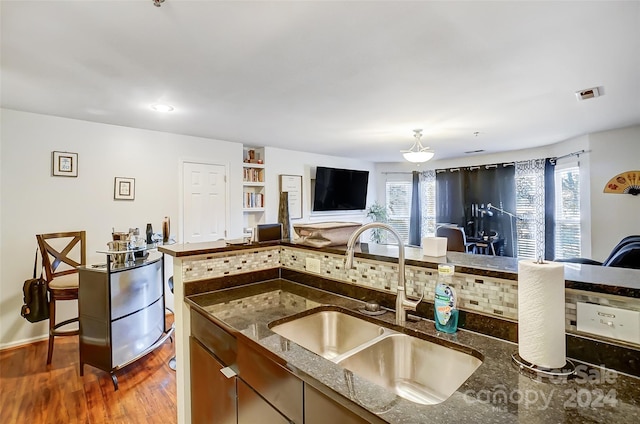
213 396
253 409
319 409
275 383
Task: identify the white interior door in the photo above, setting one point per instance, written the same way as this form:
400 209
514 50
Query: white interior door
204 201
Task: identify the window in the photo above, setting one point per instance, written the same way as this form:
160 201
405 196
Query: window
428 199
567 194
530 221
398 195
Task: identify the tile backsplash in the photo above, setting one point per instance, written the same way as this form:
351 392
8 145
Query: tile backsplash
230 263
480 294
487 295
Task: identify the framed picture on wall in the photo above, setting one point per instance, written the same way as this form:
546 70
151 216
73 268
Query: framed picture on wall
64 164
124 188
292 184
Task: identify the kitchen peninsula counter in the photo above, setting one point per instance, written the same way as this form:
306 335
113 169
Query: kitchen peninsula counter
210 267
608 280
495 392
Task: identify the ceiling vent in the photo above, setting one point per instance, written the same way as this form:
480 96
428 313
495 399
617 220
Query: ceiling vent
588 93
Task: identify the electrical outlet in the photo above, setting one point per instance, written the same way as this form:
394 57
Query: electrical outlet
313 265
622 324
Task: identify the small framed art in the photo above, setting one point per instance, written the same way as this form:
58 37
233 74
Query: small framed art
64 164
124 188
292 184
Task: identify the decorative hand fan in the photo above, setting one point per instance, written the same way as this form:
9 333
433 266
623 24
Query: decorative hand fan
625 183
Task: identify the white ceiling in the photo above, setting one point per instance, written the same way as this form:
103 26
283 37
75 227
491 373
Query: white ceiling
345 78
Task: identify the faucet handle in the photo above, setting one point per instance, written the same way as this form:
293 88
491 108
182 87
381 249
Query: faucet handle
424 287
414 304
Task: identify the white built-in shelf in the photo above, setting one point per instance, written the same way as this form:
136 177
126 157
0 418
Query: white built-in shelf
253 180
252 165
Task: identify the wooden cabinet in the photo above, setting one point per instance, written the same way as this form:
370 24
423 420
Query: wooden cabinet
213 395
263 391
252 408
319 409
273 382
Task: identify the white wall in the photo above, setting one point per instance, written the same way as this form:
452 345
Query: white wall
608 217
288 162
35 202
32 201
613 216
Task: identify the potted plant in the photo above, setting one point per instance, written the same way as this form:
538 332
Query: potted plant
377 213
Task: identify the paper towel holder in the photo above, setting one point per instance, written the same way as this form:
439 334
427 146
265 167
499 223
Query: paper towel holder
536 372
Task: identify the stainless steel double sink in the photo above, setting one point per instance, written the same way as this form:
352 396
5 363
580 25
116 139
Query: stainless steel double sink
415 369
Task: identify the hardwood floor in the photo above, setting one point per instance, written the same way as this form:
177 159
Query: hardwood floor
32 392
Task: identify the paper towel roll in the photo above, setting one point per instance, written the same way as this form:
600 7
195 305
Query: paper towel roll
541 315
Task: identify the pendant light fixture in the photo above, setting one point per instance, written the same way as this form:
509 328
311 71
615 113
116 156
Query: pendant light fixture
417 153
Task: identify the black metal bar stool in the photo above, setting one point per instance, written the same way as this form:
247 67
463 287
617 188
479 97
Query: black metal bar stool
172 361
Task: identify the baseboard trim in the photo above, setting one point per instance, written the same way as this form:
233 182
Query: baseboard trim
23 342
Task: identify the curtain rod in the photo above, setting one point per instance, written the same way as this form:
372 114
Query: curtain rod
474 167
578 153
396 172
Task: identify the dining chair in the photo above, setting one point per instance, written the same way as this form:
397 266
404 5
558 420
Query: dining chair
61 254
456 239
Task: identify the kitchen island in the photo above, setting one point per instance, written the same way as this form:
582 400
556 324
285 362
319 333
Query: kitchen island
218 268
495 392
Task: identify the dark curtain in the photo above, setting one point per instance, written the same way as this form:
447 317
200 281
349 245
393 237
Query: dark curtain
495 185
549 209
415 222
463 198
450 197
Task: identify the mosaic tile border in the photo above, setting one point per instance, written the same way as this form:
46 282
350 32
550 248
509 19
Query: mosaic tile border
487 295
230 263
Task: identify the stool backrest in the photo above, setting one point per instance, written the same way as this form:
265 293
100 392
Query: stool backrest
456 239
60 248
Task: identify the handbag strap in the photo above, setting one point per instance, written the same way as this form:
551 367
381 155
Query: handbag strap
35 265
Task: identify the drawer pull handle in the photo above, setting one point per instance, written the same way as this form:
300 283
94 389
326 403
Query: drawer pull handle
228 372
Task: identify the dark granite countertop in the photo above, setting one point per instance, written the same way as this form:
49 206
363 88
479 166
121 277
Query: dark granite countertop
610 280
496 392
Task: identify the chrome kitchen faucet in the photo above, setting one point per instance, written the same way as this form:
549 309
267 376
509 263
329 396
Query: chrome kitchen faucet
402 303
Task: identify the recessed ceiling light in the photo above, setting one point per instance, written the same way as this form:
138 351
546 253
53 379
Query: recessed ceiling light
161 107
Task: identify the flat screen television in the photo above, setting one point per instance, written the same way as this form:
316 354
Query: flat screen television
340 189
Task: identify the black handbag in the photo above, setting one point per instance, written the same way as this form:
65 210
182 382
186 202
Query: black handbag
36 298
